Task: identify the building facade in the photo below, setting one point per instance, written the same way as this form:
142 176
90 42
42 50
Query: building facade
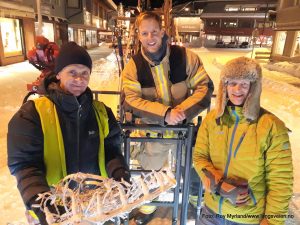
286 45
16 31
19 24
238 22
82 21
87 19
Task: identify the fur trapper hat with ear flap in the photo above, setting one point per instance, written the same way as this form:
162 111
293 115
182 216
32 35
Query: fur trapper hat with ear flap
241 68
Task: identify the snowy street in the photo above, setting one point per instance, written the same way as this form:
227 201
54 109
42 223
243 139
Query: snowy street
281 96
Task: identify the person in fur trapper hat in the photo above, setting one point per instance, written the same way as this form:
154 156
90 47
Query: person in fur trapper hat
243 153
245 71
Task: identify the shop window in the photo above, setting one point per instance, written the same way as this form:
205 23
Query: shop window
88 37
94 37
71 34
11 37
81 37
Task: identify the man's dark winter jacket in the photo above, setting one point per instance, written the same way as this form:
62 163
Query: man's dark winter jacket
81 141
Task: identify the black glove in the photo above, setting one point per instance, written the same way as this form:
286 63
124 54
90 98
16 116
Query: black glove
40 213
120 173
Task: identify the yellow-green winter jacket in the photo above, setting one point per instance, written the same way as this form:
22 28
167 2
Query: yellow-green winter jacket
258 152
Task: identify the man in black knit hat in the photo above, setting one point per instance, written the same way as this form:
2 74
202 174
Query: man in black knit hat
63 132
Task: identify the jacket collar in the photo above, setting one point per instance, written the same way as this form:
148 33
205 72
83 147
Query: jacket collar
233 114
70 104
150 61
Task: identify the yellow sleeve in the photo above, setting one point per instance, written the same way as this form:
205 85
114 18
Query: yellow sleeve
201 157
279 174
134 101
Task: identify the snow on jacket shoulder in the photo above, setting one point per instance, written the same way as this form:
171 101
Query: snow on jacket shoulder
262 157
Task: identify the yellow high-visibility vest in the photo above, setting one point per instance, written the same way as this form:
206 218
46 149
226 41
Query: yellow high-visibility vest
54 151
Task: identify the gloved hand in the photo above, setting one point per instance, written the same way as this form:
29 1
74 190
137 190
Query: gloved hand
236 191
211 180
120 173
41 214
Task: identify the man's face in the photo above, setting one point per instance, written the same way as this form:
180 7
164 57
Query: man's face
74 78
238 90
150 35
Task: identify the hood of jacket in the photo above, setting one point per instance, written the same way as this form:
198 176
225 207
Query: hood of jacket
241 68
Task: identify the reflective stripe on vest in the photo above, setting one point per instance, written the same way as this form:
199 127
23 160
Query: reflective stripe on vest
54 151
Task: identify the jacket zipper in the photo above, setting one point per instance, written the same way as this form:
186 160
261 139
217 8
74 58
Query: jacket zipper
239 144
229 155
78 133
252 196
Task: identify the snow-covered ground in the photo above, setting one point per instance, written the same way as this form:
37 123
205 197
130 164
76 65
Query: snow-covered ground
286 67
281 95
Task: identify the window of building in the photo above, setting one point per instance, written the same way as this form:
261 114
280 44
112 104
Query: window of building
229 24
81 37
264 24
249 9
232 8
213 23
11 37
297 46
73 3
88 37
281 37
47 30
245 24
94 37
71 34
87 18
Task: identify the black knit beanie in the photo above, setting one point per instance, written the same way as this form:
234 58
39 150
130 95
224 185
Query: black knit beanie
71 53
